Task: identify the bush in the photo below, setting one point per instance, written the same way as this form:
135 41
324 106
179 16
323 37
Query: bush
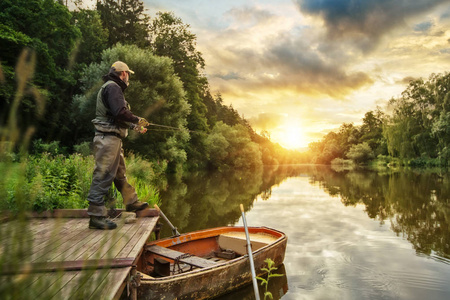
360 153
52 148
85 148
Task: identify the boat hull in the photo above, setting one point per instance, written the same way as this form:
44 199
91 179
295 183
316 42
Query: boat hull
213 281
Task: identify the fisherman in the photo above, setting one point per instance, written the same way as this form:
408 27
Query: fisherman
112 121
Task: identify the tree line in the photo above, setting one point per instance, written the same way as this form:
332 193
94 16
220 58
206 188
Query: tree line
65 53
414 131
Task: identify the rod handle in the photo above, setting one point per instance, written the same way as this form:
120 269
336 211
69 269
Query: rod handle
242 207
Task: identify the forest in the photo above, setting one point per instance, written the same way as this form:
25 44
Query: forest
52 59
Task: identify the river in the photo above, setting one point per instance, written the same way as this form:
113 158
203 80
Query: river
351 234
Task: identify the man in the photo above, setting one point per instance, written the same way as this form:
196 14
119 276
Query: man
112 121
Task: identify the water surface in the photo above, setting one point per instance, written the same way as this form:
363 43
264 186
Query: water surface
351 234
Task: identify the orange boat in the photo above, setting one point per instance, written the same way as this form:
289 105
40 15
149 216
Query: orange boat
207 263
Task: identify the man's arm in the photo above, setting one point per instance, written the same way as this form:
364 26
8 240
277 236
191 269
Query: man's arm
113 95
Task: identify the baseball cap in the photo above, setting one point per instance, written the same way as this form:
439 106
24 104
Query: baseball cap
120 66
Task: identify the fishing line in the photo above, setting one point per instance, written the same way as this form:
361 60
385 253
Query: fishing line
171 127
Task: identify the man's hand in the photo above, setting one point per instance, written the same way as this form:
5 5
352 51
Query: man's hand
140 129
143 122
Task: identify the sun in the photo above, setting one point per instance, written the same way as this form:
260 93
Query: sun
290 136
293 138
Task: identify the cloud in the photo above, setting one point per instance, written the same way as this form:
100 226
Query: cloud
270 54
266 121
424 26
364 20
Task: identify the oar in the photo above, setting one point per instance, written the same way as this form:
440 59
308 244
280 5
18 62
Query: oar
174 229
250 255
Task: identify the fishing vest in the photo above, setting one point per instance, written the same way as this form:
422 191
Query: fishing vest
104 121
102 113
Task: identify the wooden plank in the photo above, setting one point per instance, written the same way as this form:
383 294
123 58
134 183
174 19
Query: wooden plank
82 213
46 282
137 243
111 285
68 248
16 228
104 245
42 267
83 241
128 239
173 254
59 242
139 246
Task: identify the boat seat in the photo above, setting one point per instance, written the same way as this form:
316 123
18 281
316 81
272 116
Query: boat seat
174 255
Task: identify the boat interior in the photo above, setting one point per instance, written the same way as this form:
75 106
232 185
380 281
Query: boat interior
183 255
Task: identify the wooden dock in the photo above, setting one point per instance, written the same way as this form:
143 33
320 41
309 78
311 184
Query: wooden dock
64 259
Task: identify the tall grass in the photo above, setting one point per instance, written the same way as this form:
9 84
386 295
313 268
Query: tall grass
48 182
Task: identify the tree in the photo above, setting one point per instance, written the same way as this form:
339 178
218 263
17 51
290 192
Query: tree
360 153
125 21
172 38
408 131
94 36
44 27
231 147
372 131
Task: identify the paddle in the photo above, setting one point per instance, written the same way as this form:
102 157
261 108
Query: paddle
174 229
250 255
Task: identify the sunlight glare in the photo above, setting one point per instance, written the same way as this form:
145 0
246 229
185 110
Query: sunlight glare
291 136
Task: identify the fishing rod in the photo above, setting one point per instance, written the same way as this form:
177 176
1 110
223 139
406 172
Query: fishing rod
171 127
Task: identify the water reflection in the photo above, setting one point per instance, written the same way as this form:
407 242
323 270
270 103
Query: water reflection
415 202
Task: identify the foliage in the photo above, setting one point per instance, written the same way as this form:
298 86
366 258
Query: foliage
93 35
44 27
417 127
265 282
416 133
172 38
51 182
360 153
230 146
125 21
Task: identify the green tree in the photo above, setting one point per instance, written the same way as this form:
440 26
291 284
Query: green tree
93 36
409 129
360 153
231 146
372 131
125 21
440 85
172 38
44 27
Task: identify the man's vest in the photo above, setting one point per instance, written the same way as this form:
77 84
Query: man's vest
102 112
104 121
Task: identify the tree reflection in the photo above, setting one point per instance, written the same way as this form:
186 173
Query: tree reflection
416 203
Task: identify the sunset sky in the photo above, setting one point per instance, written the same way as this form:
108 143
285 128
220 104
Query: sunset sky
301 68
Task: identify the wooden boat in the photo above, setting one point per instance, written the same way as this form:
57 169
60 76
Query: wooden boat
207 263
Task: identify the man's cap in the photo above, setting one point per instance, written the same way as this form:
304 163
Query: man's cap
120 66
